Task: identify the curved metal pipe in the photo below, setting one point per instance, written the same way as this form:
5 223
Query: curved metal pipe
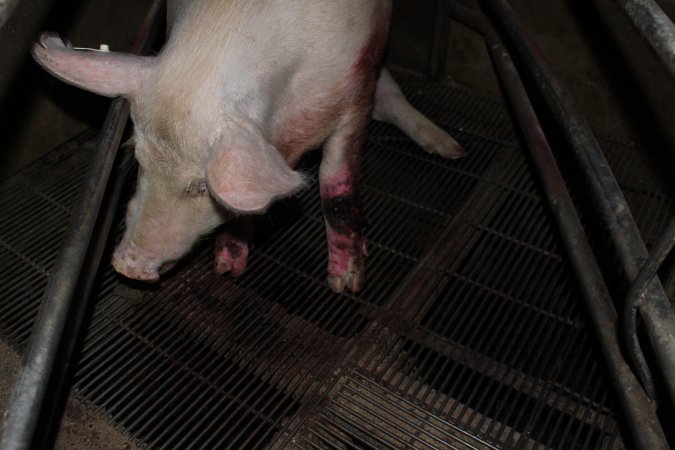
645 427
656 312
655 27
637 297
644 424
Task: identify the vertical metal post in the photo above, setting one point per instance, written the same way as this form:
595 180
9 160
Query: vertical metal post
438 53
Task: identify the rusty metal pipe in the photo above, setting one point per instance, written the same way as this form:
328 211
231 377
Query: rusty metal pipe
656 312
637 297
644 424
645 428
654 26
32 404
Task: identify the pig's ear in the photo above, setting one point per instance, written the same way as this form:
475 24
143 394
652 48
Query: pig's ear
108 74
246 173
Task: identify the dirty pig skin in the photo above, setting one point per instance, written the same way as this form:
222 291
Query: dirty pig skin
240 91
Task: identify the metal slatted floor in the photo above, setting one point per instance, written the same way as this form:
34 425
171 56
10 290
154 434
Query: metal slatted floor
470 332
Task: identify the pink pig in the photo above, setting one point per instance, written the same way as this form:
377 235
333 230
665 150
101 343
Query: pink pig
241 90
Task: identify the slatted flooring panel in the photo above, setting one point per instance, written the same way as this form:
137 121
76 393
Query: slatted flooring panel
470 331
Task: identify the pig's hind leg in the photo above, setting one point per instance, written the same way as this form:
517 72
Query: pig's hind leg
392 107
231 250
341 204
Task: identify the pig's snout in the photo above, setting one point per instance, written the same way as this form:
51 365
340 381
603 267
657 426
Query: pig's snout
132 262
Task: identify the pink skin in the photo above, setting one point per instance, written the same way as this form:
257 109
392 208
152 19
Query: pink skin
137 264
132 263
326 109
156 237
370 57
345 260
340 199
231 254
339 194
346 247
231 250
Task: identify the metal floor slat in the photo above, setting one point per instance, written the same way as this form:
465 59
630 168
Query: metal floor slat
467 334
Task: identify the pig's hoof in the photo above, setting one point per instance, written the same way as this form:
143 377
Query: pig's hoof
352 278
435 140
231 255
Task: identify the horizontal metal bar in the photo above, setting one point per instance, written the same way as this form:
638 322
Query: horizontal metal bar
656 311
655 27
479 363
30 406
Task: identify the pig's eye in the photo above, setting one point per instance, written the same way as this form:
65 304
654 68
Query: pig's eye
196 188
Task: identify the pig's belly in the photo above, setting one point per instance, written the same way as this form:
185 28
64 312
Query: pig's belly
308 124
304 131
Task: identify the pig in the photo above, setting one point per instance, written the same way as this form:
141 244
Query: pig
222 115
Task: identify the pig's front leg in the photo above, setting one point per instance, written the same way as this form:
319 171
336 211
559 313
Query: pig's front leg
231 250
392 107
341 204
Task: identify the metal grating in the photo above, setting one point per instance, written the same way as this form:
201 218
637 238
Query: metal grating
470 332
36 207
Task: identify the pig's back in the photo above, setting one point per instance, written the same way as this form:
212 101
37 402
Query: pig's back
286 64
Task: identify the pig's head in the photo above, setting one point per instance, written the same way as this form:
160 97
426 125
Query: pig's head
187 185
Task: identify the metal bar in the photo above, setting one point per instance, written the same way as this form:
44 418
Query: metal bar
31 405
478 363
636 297
6 10
644 424
450 430
438 53
654 26
656 311
29 395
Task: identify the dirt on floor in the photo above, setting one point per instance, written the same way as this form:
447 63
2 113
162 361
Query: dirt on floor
80 429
